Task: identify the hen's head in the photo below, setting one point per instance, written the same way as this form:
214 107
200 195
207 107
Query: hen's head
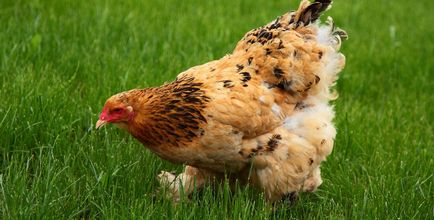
117 111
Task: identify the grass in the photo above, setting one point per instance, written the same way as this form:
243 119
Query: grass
60 60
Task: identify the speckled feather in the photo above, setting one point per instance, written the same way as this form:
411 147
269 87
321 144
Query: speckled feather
260 114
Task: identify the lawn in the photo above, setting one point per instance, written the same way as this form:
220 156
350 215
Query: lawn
60 60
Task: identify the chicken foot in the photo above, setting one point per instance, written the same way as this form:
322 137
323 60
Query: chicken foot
185 183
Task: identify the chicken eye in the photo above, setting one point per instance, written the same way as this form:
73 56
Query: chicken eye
117 110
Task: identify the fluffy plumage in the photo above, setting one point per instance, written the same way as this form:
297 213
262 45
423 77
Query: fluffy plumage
260 115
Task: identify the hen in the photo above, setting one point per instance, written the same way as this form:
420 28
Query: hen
260 115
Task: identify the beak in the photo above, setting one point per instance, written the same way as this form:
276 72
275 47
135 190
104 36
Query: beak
100 123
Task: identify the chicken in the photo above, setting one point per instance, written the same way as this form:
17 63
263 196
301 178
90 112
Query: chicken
260 115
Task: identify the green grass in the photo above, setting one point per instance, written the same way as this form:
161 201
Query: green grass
60 60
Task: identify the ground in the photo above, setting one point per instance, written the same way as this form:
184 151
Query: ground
60 60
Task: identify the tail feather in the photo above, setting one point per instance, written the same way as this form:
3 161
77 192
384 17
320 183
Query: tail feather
310 12
296 54
331 35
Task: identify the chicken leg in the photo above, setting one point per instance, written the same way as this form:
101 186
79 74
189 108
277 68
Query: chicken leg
192 178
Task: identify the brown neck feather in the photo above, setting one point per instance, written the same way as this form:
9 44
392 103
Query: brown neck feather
168 115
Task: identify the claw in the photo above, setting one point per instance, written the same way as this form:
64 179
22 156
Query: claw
166 178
